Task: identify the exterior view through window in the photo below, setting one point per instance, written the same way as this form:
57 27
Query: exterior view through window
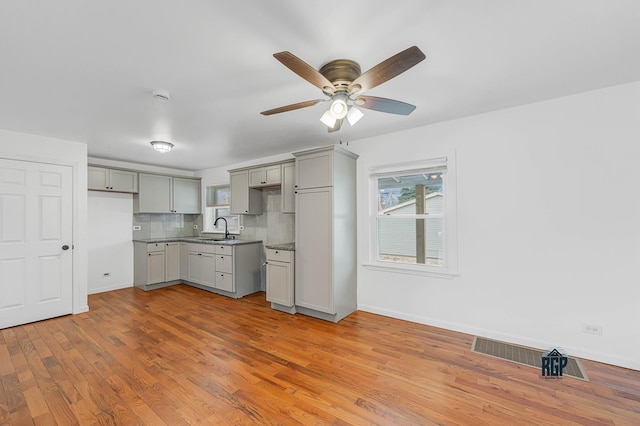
218 200
411 217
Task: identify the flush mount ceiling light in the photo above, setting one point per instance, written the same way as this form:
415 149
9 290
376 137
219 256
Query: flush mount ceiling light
343 82
162 146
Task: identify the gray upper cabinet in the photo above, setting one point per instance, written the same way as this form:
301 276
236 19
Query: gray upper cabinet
186 196
154 194
246 185
288 188
265 176
244 200
314 170
166 194
113 180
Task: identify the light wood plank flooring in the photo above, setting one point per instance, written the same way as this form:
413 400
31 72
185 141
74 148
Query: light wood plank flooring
180 355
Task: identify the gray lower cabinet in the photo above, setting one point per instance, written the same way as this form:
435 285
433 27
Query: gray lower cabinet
184 260
155 264
232 270
202 264
155 267
280 273
172 261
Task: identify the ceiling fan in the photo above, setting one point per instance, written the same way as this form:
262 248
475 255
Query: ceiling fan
342 81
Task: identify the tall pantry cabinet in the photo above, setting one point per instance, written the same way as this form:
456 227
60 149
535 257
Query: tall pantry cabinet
325 255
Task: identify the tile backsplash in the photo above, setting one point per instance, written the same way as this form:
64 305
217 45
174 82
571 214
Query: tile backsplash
159 225
272 226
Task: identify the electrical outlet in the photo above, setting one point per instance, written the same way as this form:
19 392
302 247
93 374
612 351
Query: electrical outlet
106 274
137 227
592 329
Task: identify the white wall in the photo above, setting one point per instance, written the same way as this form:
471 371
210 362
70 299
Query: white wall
539 256
110 246
25 147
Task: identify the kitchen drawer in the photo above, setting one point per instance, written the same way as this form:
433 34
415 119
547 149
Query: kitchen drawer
155 247
202 248
228 250
224 263
224 281
280 255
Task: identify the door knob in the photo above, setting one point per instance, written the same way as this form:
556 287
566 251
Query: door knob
65 247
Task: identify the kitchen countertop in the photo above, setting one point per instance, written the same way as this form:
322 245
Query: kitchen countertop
198 240
281 246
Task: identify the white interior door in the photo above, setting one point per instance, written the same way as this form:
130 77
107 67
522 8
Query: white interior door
35 241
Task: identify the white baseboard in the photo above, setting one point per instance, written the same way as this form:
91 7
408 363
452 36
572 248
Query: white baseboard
509 338
109 288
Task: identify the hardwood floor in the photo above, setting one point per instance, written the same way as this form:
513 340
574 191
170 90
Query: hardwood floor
180 355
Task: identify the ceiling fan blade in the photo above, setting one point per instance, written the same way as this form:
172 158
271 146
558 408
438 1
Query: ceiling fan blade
384 105
292 107
336 127
387 69
305 71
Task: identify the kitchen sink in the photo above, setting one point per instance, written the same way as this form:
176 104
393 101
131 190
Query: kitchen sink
214 239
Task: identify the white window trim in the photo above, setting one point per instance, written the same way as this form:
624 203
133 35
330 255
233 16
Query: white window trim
221 231
451 267
214 231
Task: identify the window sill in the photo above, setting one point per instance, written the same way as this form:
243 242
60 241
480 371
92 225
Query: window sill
411 270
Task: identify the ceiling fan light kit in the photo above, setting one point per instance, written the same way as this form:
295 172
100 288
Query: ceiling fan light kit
354 115
343 82
328 119
339 106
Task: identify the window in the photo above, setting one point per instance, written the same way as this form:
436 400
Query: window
413 224
218 199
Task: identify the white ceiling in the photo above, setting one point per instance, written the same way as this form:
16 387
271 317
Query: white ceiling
84 70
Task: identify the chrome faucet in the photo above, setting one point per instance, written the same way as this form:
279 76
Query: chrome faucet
226 229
